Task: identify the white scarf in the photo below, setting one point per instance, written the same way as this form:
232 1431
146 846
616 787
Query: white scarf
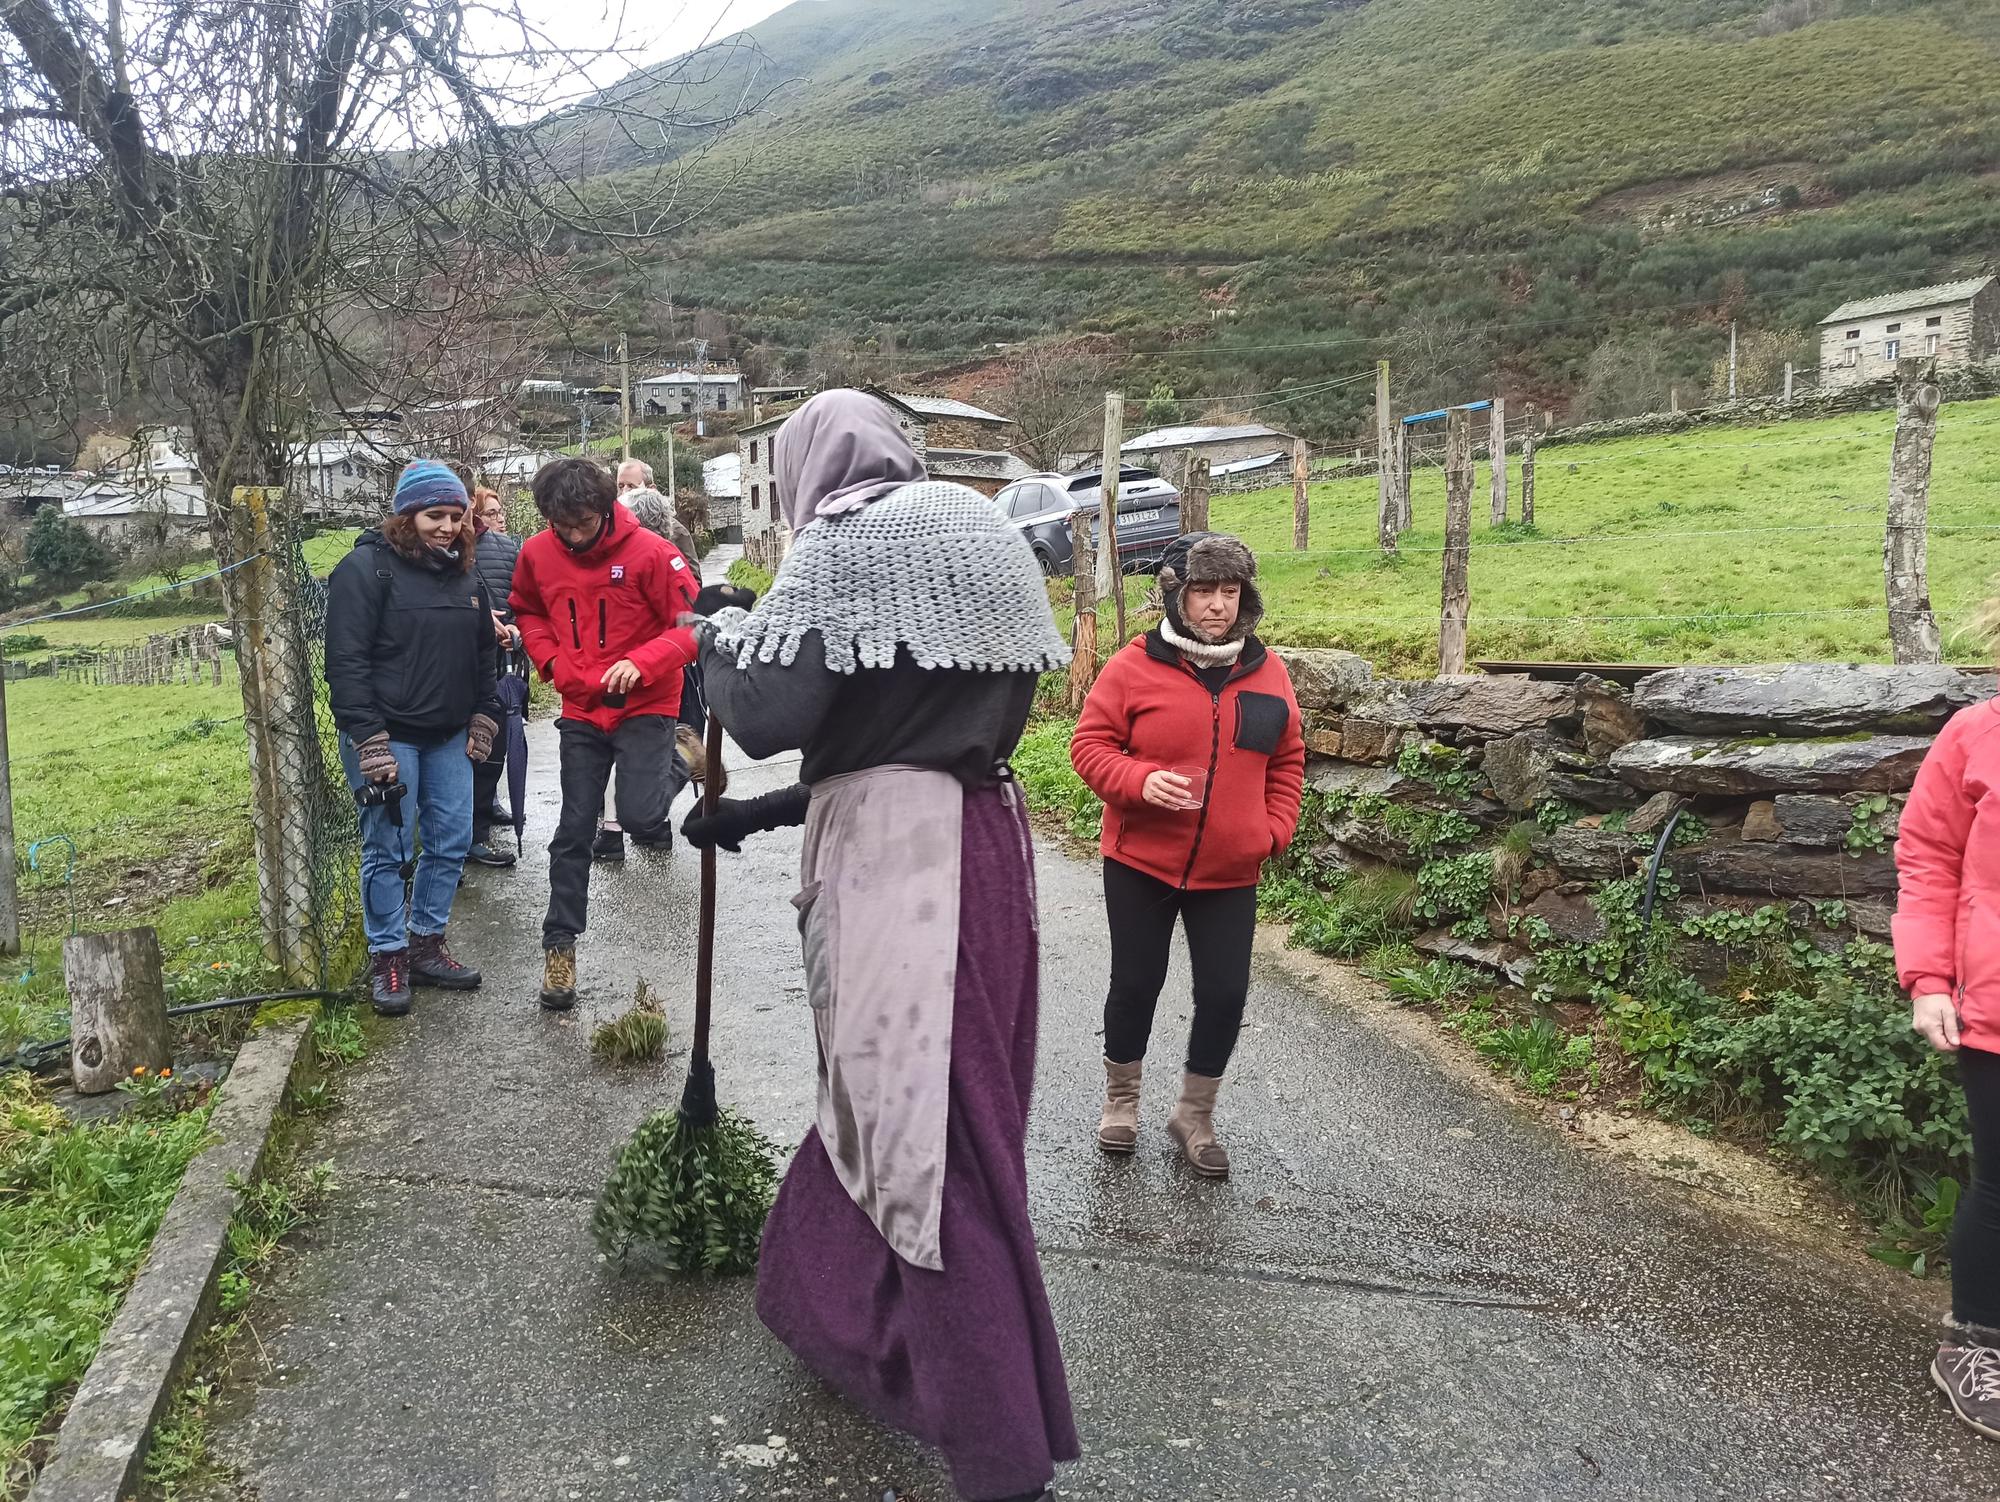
1203 654
933 569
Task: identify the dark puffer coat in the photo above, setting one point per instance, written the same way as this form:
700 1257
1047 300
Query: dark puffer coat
409 645
495 560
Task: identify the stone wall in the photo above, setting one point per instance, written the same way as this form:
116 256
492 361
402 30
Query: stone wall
1788 781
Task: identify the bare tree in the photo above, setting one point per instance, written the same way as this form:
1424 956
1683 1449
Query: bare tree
1629 374
1440 360
1053 390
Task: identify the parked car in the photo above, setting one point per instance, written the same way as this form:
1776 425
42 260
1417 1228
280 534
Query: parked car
1149 516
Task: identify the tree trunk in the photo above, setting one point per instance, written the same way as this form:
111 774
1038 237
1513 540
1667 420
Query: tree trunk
1496 453
1913 628
1083 639
1385 465
118 1007
1457 542
1194 504
1301 501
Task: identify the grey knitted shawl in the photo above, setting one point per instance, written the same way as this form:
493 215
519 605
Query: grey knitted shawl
933 568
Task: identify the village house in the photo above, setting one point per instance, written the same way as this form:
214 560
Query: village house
1220 444
1958 323
688 392
130 515
722 484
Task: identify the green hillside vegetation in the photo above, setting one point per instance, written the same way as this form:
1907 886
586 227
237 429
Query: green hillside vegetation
1323 175
1690 527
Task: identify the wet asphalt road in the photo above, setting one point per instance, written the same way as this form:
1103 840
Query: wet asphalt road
1410 1288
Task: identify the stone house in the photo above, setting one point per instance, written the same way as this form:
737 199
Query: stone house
1958 323
1218 443
689 392
130 517
951 424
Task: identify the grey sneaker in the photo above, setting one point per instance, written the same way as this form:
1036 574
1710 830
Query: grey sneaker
1969 1377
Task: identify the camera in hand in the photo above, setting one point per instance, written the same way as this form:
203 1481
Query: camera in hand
387 795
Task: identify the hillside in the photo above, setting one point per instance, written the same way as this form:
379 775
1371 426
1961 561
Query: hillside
1269 191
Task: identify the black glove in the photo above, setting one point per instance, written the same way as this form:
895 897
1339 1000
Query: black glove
714 597
736 817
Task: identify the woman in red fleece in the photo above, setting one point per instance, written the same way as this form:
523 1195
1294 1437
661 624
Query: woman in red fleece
1947 929
1191 737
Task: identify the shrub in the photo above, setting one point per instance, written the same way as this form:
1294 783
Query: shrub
61 551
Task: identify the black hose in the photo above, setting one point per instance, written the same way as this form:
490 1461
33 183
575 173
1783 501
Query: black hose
34 1056
1653 867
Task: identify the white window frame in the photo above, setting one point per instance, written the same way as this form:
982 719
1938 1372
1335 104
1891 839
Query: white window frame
1892 349
1930 344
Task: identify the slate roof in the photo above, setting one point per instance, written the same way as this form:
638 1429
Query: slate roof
1189 436
1904 302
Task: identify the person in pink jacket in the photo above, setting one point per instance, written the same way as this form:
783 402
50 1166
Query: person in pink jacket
1947 931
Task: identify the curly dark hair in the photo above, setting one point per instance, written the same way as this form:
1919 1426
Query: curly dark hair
400 532
574 490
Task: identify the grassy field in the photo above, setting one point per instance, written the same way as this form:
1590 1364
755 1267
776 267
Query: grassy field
1723 545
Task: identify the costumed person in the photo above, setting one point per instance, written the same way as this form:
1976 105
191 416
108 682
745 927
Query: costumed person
1191 736
1947 937
599 601
410 655
899 649
495 557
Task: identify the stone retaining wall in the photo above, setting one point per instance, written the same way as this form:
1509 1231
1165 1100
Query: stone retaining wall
1789 781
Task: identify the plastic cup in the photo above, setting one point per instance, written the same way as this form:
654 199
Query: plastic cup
1197 777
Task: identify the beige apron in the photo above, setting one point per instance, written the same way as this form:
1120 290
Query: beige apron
878 920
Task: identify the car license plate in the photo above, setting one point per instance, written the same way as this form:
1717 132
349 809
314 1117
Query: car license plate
1137 516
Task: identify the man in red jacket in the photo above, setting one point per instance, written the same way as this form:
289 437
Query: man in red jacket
598 600
1191 737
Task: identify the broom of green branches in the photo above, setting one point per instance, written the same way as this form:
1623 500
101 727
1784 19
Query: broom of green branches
693 1186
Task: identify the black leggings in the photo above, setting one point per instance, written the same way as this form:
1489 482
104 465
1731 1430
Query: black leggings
1975 1232
1220 928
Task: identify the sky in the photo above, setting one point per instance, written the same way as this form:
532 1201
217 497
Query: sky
650 29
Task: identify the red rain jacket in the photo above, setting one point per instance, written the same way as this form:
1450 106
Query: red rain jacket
621 597
1947 923
1149 712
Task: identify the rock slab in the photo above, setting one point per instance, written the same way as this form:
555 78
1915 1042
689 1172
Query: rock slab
1808 698
1324 680
1480 707
1746 769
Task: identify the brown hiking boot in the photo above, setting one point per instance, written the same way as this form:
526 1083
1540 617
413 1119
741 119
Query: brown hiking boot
1118 1131
1192 1125
693 752
389 982
431 964
559 979
1969 1377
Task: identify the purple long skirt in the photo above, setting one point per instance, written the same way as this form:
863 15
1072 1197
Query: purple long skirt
964 1359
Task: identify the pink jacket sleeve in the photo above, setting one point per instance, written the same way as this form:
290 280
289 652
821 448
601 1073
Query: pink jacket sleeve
1930 849
1097 750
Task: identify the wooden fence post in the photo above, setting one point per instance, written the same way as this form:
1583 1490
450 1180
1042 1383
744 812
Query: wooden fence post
1404 518
1496 453
1194 504
1528 472
1913 627
1457 541
118 1006
1301 500
1385 466
1110 570
1788 383
1083 634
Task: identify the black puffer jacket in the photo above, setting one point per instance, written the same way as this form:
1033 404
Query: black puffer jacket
495 560
409 646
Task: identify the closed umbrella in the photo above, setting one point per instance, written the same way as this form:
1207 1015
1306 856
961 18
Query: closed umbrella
513 692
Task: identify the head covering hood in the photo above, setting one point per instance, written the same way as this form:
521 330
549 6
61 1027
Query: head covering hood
1211 558
838 453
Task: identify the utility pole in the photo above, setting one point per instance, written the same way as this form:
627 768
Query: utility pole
10 906
1110 576
625 391
1732 359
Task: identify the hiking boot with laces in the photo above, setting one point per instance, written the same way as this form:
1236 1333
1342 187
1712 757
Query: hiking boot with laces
431 964
609 845
389 982
1969 1377
559 979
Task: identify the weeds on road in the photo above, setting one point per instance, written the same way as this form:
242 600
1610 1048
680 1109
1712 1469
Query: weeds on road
636 1036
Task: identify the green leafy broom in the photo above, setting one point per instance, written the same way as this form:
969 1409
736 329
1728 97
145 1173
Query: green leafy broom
693 1186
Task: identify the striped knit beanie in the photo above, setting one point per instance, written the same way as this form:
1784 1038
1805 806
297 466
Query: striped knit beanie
425 483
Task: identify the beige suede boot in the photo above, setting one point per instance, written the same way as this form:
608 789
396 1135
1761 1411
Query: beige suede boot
1192 1125
1118 1132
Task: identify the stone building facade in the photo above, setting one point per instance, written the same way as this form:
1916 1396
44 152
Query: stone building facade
1957 323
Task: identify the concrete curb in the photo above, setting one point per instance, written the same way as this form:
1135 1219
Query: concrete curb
101 1447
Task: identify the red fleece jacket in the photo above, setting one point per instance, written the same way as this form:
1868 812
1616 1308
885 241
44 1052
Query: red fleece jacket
1149 712
1947 923
622 597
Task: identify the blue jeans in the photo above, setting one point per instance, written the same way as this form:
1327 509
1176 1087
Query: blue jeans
437 804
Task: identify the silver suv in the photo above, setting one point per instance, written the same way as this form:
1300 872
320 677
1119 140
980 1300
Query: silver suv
1149 516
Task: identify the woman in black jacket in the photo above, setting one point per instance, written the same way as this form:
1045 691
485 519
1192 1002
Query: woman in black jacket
494 558
410 655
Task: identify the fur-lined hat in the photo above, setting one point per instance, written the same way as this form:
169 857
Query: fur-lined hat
1211 558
